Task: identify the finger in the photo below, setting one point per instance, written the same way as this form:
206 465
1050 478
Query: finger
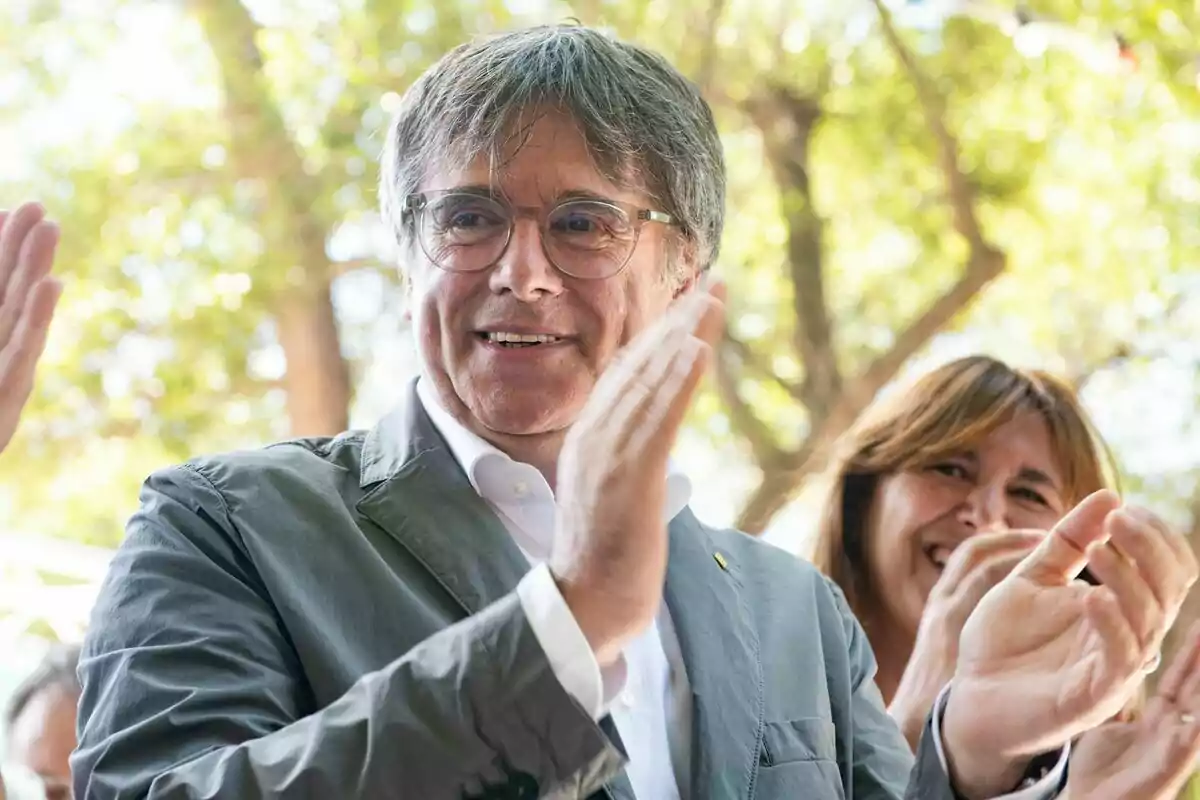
660 426
680 321
672 396
12 238
675 371
1134 595
1178 745
1185 663
979 549
1120 656
718 291
18 361
1175 540
29 339
33 264
1063 553
693 311
623 387
684 388
42 302
987 575
1153 547
630 389
1187 692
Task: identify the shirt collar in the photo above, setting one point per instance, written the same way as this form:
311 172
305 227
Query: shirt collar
481 460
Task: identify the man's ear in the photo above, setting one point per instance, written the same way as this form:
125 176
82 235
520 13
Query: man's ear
408 298
687 270
692 277
407 265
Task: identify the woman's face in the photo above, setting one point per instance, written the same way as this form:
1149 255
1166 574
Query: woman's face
918 517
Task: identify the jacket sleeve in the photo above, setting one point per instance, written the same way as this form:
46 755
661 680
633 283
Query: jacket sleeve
191 688
883 768
881 762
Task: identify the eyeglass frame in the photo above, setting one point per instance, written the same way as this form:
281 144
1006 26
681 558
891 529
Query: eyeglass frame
412 205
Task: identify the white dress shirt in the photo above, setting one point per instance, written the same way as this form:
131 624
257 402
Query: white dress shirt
647 694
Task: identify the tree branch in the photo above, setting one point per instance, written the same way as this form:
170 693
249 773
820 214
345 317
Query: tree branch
589 12
708 51
754 362
787 121
1119 354
1123 351
936 316
984 261
290 219
958 188
744 420
261 146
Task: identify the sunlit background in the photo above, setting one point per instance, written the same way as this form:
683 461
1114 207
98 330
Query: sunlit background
213 163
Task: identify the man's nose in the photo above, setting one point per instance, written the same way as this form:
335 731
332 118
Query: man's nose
523 268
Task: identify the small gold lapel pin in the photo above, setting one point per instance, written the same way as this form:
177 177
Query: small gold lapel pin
721 562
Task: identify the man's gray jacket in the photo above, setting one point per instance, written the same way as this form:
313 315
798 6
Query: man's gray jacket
336 618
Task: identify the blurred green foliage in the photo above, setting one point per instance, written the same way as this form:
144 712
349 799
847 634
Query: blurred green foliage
213 166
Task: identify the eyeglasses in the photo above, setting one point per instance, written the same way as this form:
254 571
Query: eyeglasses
590 239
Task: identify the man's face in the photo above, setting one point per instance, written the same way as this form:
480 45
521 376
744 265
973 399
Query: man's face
501 391
43 736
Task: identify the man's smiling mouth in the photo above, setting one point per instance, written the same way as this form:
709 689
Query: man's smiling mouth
507 339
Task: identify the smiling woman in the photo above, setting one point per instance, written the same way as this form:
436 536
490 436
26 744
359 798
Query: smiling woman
975 455
938 493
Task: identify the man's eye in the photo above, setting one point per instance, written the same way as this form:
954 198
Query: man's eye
466 219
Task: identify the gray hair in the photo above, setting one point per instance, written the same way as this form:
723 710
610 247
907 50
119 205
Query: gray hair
644 123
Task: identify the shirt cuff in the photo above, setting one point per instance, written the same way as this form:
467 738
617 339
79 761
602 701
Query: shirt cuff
1044 787
565 646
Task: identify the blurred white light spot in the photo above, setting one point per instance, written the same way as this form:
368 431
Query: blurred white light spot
390 102
126 164
421 20
268 364
1030 41
796 37
213 157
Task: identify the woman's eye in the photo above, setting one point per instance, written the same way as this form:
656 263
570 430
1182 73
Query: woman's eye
950 470
1031 495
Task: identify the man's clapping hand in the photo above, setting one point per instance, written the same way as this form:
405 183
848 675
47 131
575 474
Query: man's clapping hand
610 556
28 295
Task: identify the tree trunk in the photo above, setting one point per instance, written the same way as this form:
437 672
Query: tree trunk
832 396
773 492
317 381
296 269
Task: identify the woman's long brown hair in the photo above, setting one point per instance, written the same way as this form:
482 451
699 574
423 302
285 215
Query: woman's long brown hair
944 412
